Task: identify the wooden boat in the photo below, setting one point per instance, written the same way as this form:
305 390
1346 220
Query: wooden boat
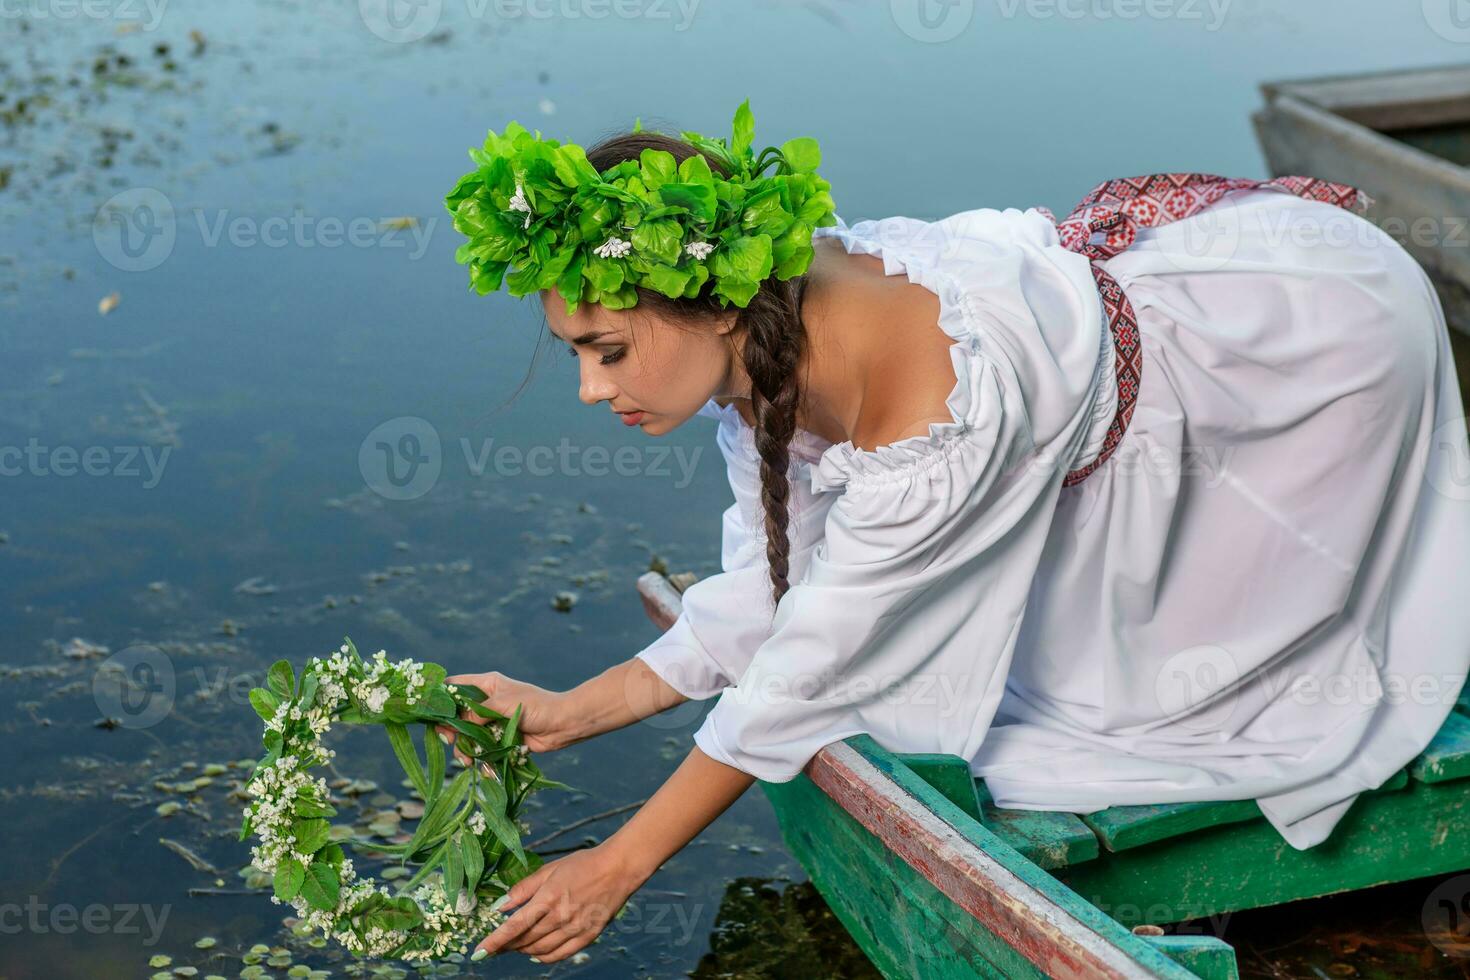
1401 136
932 880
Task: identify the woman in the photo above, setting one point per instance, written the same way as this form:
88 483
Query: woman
1169 516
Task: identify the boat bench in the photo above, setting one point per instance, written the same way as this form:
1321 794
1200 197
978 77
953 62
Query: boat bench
1168 863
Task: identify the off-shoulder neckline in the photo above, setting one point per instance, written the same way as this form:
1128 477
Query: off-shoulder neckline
843 463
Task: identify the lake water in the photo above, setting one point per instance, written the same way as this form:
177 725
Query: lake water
197 473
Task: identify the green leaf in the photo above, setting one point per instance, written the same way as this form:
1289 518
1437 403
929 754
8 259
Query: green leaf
695 170
433 861
493 805
802 154
668 280
437 817
321 887
659 167
307 807
290 874
661 239
698 198
512 873
281 679
439 704
408 756
743 130
474 861
508 736
264 702
434 749
311 834
309 684
245 827
764 215
453 871
473 698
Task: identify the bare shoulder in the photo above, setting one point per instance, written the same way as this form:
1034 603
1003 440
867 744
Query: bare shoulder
908 374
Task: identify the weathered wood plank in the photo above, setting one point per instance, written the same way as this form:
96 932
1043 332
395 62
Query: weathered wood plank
1122 827
1389 99
1050 838
976 871
947 773
1207 957
895 915
1421 830
1408 185
1447 757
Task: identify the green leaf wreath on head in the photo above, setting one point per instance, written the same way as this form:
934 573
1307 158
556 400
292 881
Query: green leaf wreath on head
539 207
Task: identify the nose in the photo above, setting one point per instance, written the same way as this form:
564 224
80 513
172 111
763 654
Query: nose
593 388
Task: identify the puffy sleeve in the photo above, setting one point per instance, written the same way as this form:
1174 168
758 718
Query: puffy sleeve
727 616
905 620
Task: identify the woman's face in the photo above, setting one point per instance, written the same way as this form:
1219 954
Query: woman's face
636 361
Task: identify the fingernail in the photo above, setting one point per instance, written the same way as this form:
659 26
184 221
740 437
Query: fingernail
533 959
479 954
444 738
499 903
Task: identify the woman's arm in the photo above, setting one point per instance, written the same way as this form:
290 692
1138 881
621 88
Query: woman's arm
699 791
617 697
564 905
551 720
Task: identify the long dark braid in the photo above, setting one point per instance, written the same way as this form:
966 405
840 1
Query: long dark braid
771 355
775 338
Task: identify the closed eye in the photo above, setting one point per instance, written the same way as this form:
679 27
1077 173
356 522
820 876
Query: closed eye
605 359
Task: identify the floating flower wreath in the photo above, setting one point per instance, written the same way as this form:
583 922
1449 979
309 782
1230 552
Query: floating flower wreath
468 832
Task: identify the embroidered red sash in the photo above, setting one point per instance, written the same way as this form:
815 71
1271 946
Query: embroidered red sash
1115 209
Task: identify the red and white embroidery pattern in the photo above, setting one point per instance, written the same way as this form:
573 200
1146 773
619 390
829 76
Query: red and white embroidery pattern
1115 209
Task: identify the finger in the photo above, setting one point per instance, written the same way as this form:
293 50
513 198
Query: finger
551 940
513 903
566 949
509 932
552 922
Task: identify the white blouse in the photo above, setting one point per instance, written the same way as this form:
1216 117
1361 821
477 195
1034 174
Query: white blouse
1270 517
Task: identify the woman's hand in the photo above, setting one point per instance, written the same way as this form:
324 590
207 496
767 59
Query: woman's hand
546 717
564 905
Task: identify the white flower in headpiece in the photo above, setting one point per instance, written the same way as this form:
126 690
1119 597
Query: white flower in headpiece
519 203
699 250
614 248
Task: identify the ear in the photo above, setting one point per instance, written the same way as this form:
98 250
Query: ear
727 324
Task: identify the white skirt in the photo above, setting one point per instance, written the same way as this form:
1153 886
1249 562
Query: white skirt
1265 592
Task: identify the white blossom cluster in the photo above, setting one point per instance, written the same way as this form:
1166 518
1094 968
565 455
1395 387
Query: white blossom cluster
275 789
519 203
614 248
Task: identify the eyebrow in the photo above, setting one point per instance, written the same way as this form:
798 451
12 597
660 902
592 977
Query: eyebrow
588 337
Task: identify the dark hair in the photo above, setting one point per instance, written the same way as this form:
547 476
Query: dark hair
775 338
